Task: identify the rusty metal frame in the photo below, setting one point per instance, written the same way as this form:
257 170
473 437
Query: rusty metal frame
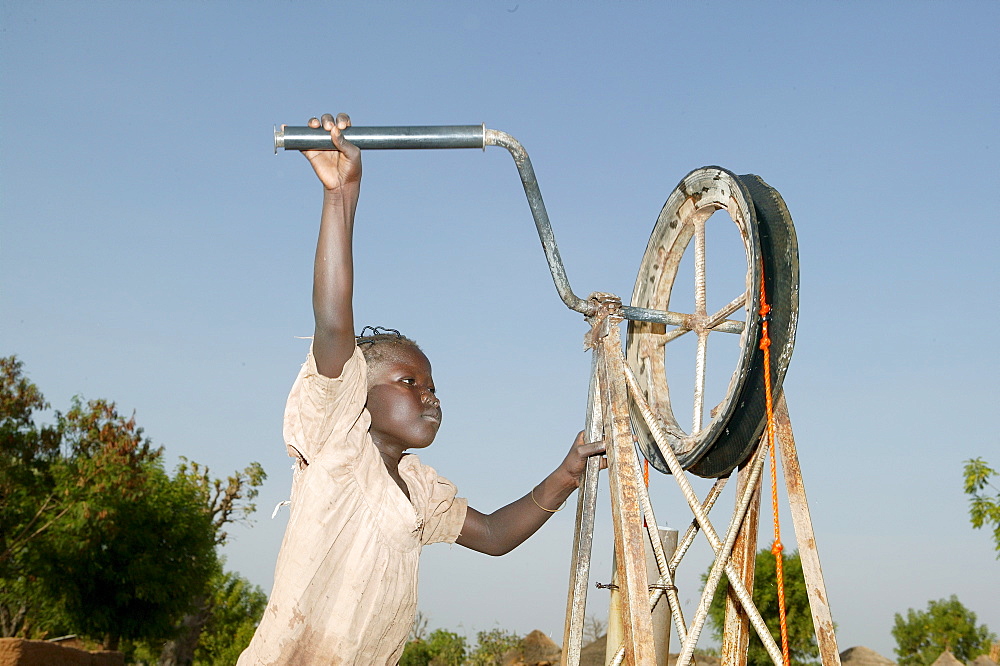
630 504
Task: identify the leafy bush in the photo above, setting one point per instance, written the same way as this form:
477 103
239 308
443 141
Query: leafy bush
946 625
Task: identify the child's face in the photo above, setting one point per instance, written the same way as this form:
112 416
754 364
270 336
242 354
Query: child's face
405 412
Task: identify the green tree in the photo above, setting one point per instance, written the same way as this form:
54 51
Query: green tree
132 550
228 501
236 606
984 497
416 653
441 648
801 635
225 502
922 636
95 537
28 507
491 646
447 648
25 456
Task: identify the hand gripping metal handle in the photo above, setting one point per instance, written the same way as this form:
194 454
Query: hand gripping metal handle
469 136
384 138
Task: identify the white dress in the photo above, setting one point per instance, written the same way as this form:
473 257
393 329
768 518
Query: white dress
345 584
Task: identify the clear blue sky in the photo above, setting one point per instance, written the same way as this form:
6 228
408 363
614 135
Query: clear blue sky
155 252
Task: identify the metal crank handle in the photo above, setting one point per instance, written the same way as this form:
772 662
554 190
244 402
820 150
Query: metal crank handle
383 138
290 137
449 136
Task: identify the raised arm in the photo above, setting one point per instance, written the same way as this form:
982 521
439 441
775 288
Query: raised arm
506 528
333 273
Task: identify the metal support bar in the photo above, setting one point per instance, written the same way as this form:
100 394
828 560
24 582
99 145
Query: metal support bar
661 611
682 321
819 605
583 541
700 310
623 476
662 582
692 530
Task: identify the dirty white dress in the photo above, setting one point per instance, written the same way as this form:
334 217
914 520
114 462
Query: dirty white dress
345 585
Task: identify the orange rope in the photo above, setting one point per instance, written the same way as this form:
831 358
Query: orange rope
777 548
645 480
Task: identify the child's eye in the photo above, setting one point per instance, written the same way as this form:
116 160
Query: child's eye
408 380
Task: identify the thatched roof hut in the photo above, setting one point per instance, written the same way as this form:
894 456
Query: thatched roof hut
862 656
536 649
947 659
982 660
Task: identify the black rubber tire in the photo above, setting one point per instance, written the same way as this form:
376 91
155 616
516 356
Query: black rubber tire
779 251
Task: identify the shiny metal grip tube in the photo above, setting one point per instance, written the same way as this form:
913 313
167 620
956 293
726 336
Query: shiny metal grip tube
384 138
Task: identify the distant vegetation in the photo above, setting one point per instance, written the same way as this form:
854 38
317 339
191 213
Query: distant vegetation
97 539
444 648
922 636
801 636
984 497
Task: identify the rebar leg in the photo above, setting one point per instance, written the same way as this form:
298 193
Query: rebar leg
826 639
736 632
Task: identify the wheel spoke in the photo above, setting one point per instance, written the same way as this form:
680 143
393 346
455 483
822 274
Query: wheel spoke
700 310
717 322
699 383
700 292
730 308
674 334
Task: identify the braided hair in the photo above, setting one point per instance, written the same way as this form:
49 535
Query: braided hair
378 344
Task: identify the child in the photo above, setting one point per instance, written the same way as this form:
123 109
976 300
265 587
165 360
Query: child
345 584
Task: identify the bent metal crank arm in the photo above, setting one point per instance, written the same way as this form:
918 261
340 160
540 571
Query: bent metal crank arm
470 136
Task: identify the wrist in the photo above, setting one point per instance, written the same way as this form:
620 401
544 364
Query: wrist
556 509
341 202
562 480
342 192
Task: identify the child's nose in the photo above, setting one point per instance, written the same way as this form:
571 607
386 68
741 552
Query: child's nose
430 398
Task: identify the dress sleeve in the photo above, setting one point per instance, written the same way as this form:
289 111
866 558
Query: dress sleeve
322 409
444 513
